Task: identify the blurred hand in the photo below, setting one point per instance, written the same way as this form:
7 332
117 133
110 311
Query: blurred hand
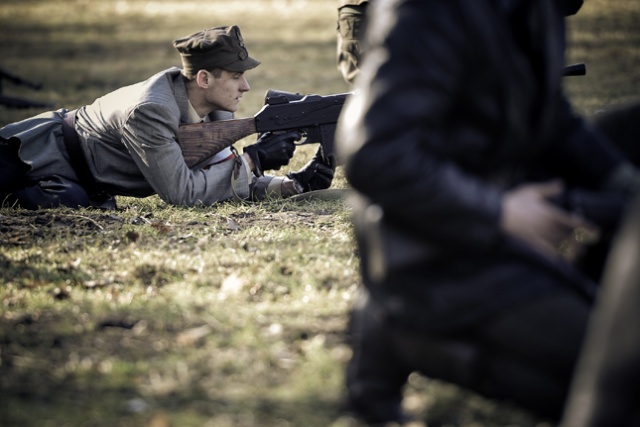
272 150
529 215
315 175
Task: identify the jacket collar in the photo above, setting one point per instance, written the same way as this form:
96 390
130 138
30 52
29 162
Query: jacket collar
180 92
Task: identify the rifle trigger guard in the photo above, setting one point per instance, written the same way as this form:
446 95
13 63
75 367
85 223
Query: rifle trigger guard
303 140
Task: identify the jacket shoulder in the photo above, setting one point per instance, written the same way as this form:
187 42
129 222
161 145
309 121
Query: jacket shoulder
160 90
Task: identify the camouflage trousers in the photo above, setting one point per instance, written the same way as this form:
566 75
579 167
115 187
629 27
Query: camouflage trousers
351 27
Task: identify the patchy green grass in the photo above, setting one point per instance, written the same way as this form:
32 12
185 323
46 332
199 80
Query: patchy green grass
234 315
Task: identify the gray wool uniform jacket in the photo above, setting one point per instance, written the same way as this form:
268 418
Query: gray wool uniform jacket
129 140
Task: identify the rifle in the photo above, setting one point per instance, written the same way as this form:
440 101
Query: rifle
579 69
14 102
314 116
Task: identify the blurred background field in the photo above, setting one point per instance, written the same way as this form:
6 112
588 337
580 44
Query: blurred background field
80 49
234 315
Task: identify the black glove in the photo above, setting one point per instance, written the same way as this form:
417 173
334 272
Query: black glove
315 175
272 150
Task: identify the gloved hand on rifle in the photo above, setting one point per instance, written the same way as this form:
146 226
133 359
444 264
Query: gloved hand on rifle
272 150
315 175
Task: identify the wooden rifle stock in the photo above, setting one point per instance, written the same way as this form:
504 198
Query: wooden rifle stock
201 141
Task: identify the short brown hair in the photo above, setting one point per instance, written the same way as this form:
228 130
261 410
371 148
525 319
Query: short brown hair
217 72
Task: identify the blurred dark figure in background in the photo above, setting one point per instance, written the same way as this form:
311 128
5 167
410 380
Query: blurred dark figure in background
606 388
472 238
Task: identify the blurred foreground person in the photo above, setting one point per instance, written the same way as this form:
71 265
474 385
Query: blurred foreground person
606 385
125 143
478 194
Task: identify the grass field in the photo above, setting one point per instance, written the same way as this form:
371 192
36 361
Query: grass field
234 315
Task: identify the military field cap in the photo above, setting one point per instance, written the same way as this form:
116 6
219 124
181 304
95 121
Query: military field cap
217 47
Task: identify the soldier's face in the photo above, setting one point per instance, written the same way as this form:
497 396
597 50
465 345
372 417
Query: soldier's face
224 92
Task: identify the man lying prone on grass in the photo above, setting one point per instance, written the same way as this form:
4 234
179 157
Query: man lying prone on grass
125 143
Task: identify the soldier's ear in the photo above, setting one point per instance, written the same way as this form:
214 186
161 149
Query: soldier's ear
203 79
